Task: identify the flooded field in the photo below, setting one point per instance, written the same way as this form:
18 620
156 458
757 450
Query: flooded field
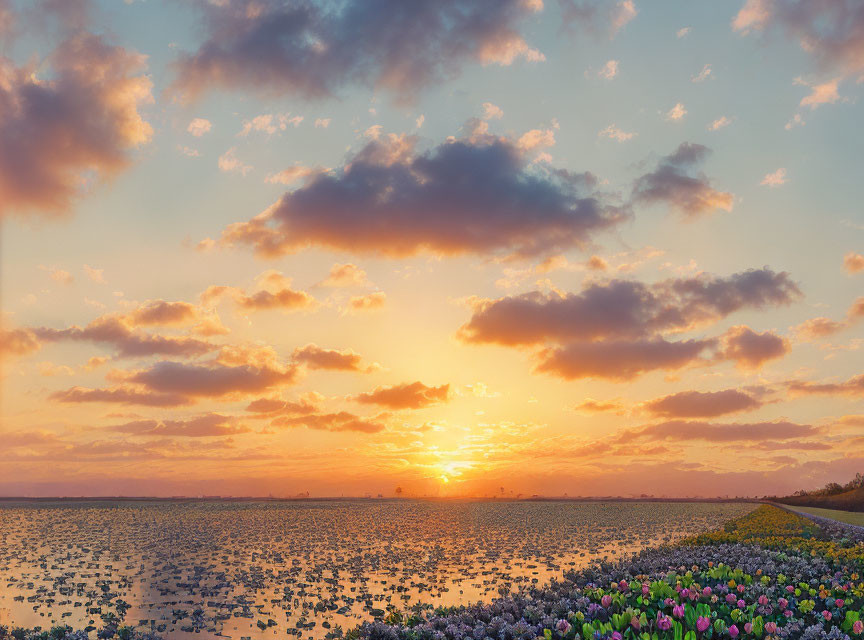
307 569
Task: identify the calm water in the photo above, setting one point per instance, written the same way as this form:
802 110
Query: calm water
193 570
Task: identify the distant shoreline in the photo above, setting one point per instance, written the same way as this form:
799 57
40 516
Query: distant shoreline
217 499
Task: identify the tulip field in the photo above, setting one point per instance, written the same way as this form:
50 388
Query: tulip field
769 574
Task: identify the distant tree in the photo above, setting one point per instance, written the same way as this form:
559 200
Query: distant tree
398 491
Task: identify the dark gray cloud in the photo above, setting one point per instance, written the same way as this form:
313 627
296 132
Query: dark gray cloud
703 404
313 50
677 182
478 195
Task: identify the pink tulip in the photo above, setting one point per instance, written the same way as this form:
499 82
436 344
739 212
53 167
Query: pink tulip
790 588
858 627
733 631
748 627
634 622
606 601
788 613
770 627
839 602
706 591
702 623
741 604
678 611
763 600
740 588
826 614
783 603
645 589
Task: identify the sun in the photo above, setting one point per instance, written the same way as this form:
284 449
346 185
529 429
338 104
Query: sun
445 479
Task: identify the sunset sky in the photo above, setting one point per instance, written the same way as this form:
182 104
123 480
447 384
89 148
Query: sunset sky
258 247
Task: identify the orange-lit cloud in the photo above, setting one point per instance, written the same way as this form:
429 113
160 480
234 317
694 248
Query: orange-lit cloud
414 395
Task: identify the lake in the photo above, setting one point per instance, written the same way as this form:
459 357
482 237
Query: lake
305 568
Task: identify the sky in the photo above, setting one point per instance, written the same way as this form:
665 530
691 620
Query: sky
441 248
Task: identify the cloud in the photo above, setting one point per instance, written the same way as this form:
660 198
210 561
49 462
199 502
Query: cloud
683 430
270 123
345 275
822 327
414 395
290 175
619 359
369 302
475 195
597 16
676 182
703 75
230 163
214 379
273 291
615 133
719 123
624 308
825 93
852 387
311 51
96 275
609 70
703 404
492 112
18 342
119 395
774 179
314 357
199 126
853 262
60 134
829 30
594 406
749 349
677 112
118 332
340 421
205 426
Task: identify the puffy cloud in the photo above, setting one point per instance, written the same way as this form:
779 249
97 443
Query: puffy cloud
290 175
676 182
703 75
719 123
345 275
205 426
821 327
340 421
824 93
703 404
314 357
117 332
595 406
597 16
830 30
414 395
273 291
214 379
852 387
312 51
119 395
492 111
609 70
269 407
619 359
369 302
853 262
749 349
625 308
270 123
18 342
475 195
230 163
96 275
615 133
60 133
199 126
774 179
683 430
677 112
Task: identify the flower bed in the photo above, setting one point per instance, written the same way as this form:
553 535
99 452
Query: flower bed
770 574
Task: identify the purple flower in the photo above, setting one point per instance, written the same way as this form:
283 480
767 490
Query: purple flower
733 631
563 626
703 623
741 604
678 611
664 623
763 599
748 627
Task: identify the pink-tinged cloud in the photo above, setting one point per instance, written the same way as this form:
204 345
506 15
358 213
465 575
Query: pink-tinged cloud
214 379
620 309
310 51
368 302
832 31
113 330
852 387
677 183
750 349
273 292
477 195
18 342
414 395
314 357
604 17
683 430
340 421
76 125
821 327
204 426
268 407
703 404
345 275
619 359
853 262
119 395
